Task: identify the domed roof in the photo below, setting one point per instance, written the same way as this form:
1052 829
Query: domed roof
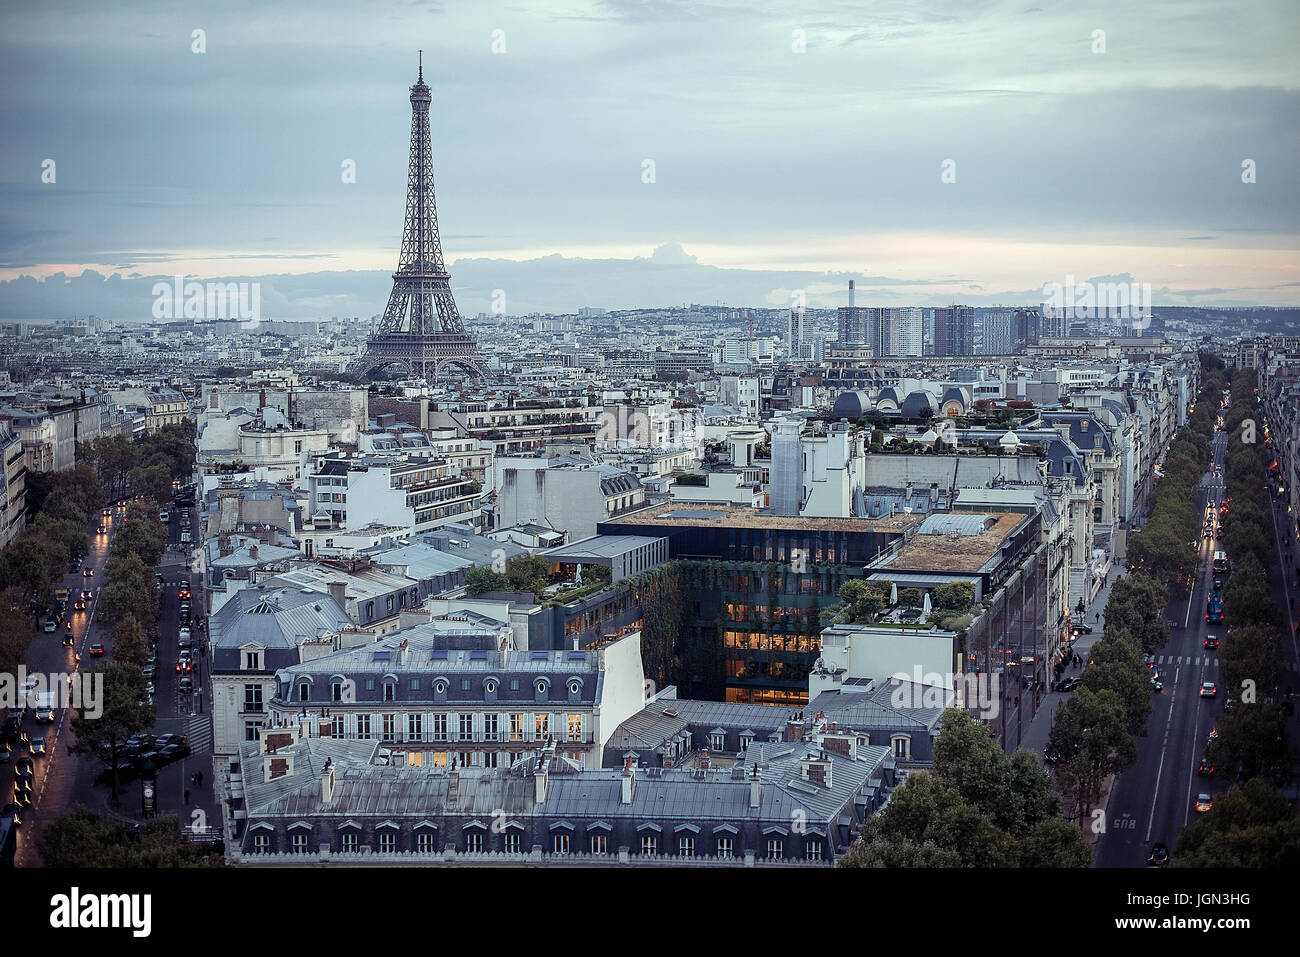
916 402
851 405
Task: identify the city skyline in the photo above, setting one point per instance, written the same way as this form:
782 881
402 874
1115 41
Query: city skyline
547 198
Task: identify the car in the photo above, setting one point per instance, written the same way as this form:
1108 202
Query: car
173 752
87 594
148 689
185 591
51 626
1081 629
6 752
1205 769
80 604
88 573
138 742
100 530
25 768
152 757
69 640
1209 689
186 683
184 665
38 744
44 716
96 650
1203 803
1067 684
1157 685
166 739
1211 642
13 810
68 626
1214 733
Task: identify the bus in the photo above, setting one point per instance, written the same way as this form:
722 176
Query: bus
1214 609
1220 562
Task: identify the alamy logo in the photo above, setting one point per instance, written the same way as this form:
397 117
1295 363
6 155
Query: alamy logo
83 691
1130 302
74 910
976 693
208 301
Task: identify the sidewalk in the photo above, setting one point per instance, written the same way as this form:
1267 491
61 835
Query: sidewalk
1035 738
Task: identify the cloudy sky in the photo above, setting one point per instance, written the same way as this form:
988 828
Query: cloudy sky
793 146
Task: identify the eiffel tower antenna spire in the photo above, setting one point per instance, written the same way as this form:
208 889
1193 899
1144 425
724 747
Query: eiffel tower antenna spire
421 328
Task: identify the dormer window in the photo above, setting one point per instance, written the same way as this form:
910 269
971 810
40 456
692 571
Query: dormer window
252 661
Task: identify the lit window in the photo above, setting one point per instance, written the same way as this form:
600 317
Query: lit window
598 842
775 848
649 844
561 843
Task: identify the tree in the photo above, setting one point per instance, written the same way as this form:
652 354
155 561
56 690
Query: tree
124 712
154 481
82 838
861 601
128 589
1252 739
129 644
1251 826
1054 842
24 566
955 596
15 630
900 853
528 573
479 580
1132 685
1249 660
1090 734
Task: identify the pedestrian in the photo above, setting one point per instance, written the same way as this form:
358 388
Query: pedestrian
1097 617
187 795
200 779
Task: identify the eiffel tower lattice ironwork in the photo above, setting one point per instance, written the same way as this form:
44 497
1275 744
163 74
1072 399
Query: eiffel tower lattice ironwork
421 329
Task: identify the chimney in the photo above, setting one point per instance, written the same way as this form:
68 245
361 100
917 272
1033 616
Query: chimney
755 789
402 652
252 552
629 781
816 768
276 766
327 782
850 293
223 544
539 778
339 592
794 728
704 760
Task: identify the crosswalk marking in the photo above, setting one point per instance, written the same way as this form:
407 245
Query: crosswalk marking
199 730
1209 662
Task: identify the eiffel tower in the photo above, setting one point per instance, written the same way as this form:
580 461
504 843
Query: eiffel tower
421 329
